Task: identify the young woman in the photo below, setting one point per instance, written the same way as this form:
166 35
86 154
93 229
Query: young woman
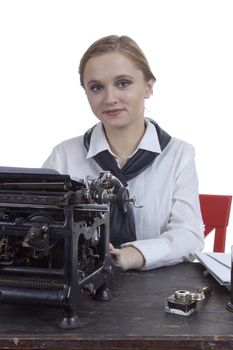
158 170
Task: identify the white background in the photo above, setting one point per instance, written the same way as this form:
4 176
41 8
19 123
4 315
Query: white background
189 44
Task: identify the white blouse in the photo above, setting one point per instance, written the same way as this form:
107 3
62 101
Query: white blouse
169 226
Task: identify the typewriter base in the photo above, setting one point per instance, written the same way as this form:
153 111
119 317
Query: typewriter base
70 322
103 294
229 307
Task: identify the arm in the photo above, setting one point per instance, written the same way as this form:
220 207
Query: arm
183 234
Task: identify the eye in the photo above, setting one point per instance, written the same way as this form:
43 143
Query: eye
123 83
96 87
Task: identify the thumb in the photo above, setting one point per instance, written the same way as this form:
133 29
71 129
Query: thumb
115 252
111 247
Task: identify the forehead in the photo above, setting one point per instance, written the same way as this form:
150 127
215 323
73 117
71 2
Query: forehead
109 65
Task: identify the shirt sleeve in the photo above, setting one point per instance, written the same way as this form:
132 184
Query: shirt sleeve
184 234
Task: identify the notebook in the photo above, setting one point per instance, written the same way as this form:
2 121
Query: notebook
218 264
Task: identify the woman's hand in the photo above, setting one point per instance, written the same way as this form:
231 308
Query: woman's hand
127 258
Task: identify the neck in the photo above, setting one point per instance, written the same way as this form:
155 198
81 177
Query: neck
124 141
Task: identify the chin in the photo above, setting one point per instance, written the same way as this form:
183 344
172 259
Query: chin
118 124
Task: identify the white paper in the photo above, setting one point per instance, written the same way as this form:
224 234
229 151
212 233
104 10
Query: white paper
218 264
223 258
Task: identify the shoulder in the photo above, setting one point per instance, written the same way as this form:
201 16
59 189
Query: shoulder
183 156
181 147
69 148
69 144
179 154
64 154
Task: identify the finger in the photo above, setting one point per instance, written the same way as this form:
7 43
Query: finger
115 252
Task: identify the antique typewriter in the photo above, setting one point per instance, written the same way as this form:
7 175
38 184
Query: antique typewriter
54 238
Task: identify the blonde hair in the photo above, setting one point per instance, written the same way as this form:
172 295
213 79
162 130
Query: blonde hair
122 44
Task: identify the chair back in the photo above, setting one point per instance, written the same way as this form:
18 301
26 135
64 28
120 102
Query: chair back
215 211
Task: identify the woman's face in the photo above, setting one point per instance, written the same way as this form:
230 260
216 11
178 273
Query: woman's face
116 90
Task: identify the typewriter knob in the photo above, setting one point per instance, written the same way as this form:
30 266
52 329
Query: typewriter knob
38 237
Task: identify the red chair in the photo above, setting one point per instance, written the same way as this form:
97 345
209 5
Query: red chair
215 211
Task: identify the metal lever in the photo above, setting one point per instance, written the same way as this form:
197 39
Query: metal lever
133 201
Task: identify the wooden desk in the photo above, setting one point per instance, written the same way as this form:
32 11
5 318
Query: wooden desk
133 319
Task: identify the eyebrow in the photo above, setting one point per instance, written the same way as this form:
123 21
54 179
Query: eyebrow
122 76
93 82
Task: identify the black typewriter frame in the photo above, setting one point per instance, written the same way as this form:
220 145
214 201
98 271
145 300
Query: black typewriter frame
79 220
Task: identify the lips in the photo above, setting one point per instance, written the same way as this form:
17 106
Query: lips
113 112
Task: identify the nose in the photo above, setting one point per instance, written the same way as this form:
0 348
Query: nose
111 97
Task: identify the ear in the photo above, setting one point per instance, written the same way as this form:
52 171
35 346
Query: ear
149 88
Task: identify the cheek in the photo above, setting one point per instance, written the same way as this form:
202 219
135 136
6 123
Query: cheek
137 98
94 102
